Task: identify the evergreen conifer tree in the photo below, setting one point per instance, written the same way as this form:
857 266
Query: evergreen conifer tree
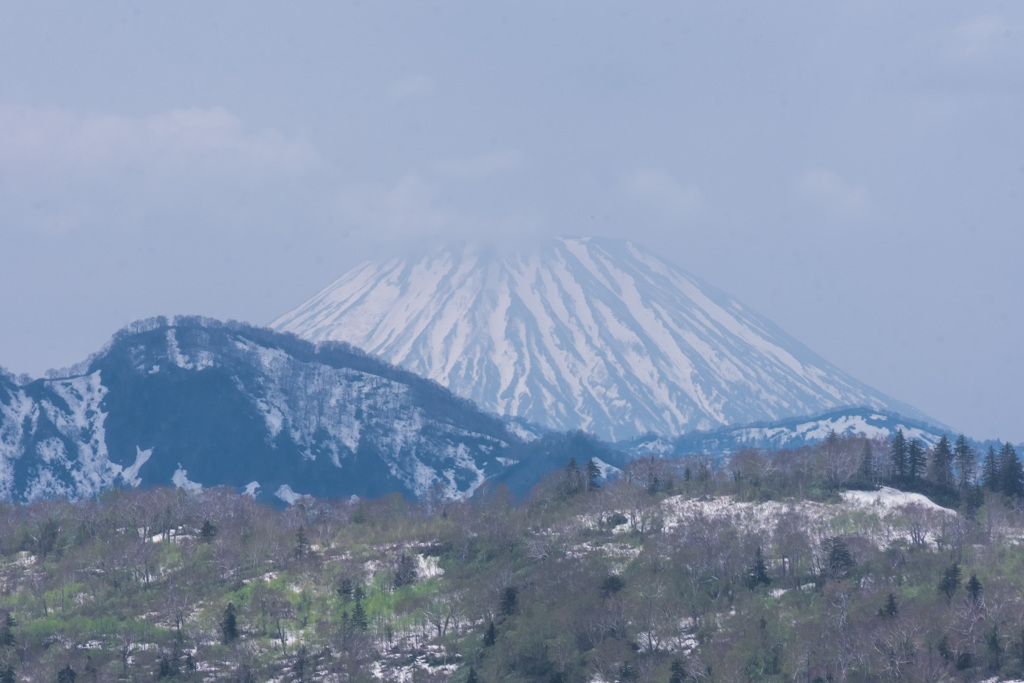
891 608
359 620
898 455
839 559
974 589
915 459
472 678
8 675
229 624
490 637
758 571
995 648
345 590
942 463
867 463
208 531
7 631
950 581
964 458
990 471
573 482
677 671
593 475
301 543
1011 475
509 598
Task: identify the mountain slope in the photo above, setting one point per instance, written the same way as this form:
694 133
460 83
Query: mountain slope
196 402
590 334
790 433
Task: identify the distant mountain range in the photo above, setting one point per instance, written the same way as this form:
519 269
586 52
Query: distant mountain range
592 334
790 433
196 402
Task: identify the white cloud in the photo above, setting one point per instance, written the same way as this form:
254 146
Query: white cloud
61 169
407 208
47 139
831 192
412 86
663 192
482 166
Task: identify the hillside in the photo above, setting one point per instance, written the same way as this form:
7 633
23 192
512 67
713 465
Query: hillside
194 402
660 576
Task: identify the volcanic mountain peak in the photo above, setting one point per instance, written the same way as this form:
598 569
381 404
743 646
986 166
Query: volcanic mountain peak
593 334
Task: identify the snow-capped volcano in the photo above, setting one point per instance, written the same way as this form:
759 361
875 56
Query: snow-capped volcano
592 334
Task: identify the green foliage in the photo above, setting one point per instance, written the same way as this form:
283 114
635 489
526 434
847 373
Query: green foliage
542 590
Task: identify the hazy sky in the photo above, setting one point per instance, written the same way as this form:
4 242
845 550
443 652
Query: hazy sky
853 171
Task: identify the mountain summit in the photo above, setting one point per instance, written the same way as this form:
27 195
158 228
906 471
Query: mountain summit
592 334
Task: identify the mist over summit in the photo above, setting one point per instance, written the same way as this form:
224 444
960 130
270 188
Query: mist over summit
595 334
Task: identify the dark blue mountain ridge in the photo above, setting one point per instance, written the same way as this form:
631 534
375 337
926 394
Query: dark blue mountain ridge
194 401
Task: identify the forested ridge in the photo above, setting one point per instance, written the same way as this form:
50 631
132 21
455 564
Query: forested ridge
776 566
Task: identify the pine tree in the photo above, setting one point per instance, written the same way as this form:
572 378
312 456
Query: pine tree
965 458
301 543
8 675
867 463
758 571
229 625
509 598
573 482
359 620
915 459
345 590
678 672
1011 475
974 589
950 581
898 455
995 648
472 678
66 675
839 559
891 608
405 571
208 531
7 631
593 475
990 471
942 463
490 637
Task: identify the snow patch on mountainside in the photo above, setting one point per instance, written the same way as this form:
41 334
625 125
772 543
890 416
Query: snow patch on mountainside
181 480
131 473
890 498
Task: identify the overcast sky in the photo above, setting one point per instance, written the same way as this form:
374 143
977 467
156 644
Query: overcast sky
853 171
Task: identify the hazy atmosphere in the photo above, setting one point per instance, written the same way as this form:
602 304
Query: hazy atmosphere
854 173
